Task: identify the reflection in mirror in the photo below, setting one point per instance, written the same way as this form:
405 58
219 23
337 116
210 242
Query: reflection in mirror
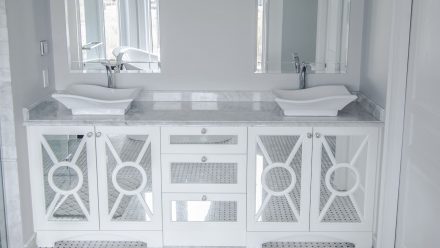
125 32
316 31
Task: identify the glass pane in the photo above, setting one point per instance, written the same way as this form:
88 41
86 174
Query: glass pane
204 173
203 139
278 177
130 195
343 165
203 211
65 177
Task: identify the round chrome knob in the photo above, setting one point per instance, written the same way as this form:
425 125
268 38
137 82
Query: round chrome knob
89 134
309 135
204 198
98 134
204 159
317 135
204 131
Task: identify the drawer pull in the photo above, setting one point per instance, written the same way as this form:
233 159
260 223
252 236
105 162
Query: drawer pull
89 134
318 135
204 159
98 134
204 198
204 131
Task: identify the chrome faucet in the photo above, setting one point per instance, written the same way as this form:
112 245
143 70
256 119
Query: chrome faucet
303 75
112 68
301 69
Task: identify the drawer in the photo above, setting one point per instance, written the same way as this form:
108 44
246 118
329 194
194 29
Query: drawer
196 140
204 173
220 217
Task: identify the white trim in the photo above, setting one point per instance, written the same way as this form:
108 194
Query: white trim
32 242
397 77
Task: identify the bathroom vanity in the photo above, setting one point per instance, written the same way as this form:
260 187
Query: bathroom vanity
204 174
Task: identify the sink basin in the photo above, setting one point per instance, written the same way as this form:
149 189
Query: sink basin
88 99
315 101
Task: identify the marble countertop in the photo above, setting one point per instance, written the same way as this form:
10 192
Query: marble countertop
50 112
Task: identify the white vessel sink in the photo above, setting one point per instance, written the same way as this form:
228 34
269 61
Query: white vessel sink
315 101
87 99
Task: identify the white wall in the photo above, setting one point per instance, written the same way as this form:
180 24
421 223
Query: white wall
377 31
28 23
207 45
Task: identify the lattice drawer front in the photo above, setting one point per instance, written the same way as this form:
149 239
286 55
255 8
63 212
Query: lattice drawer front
203 140
66 182
204 208
210 173
281 166
343 183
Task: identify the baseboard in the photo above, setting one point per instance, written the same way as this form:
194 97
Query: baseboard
32 242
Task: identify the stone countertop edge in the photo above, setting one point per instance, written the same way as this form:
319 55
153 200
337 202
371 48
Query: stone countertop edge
49 112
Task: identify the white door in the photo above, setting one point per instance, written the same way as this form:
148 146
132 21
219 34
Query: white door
63 178
419 198
343 178
279 173
129 178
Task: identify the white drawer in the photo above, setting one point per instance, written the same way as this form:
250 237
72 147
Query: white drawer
204 173
203 219
196 140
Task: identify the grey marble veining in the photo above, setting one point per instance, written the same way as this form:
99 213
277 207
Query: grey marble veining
370 106
50 112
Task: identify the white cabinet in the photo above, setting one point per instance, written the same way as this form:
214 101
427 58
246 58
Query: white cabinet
308 184
279 173
129 178
63 178
205 186
343 183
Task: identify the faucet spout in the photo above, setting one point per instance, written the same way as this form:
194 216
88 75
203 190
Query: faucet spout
110 81
303 75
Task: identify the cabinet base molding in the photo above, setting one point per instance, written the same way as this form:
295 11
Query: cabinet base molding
358 239
49 238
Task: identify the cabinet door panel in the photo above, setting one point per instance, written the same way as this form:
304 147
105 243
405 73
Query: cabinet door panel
279 179
63 169
344 167
129 181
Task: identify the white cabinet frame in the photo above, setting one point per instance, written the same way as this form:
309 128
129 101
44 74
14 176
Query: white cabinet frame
239 132
305 139
168 186
36 142
154 213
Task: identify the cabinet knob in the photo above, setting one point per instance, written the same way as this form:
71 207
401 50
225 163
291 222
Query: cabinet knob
98 134
204 159
309 135
204 131
204 198
89 134
317 135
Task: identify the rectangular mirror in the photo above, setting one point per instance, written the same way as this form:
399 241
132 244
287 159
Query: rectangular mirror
316 31
123 32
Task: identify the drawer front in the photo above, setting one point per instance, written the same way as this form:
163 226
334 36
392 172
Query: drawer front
204 173
196 140
220 217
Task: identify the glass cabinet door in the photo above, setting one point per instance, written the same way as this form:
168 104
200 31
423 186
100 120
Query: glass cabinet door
343 183
63 174
129 182
279 179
